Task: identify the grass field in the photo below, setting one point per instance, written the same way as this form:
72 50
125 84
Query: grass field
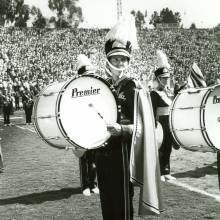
41 182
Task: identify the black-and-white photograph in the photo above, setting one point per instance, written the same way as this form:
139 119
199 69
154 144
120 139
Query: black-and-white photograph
109 109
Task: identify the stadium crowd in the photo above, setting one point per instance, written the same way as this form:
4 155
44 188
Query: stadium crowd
32 58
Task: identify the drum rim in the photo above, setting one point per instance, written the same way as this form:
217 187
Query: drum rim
36 126
204 132
175 138
59 123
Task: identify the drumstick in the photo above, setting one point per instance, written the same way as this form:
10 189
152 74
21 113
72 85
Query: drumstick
99 114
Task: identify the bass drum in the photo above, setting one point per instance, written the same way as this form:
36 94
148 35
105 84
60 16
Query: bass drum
75 113
195 119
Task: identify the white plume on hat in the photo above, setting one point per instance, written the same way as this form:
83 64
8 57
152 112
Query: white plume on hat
162 60
84 65
123 31
83 60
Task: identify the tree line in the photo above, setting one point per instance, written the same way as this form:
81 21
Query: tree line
68 14
17 13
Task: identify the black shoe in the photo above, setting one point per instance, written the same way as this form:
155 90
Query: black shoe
176 146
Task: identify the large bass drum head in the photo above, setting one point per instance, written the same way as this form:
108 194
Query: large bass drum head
85 105
212 117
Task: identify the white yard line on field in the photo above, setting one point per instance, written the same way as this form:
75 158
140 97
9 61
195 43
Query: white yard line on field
12 118
193 189
24 128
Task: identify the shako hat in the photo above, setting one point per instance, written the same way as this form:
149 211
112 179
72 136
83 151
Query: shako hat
163 65
121 38
84 65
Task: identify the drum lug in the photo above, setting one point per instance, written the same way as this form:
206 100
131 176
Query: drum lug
67 138
62 91
104 145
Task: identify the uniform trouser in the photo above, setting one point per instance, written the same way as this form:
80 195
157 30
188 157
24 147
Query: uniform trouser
1 157
6 113
116 191
88 170
28 113
166 147
17 107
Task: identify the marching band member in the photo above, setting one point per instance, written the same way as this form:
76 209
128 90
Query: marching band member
27 99
7 108
87 160
113 161
161 98
116 191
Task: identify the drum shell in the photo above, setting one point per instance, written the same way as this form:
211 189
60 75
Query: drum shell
45 116
187 118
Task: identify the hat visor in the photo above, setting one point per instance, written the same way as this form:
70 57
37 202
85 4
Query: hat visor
165 75
119 52
87 72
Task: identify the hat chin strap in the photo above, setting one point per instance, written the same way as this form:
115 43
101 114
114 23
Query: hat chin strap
161 84
111 69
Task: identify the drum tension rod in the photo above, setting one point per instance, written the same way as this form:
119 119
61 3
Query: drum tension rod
49 94
188 129
53 138
47 116
183 108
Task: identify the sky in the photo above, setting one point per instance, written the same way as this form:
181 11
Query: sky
103 13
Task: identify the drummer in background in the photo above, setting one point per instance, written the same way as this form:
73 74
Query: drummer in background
161 98
87 161
7 107
27 100
112 161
